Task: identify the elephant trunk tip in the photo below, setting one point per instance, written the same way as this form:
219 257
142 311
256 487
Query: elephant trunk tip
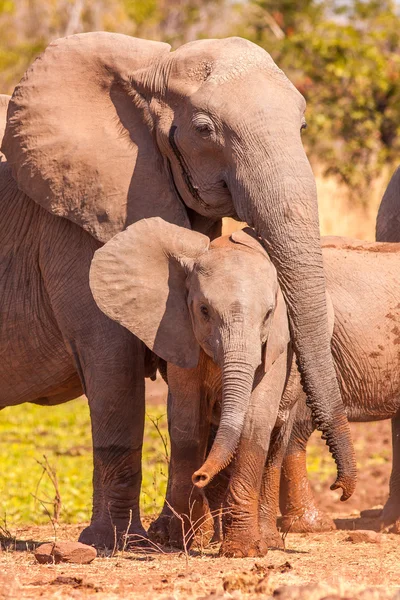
212 466
347 484
201 478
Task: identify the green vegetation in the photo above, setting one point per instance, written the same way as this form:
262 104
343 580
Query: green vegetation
62 434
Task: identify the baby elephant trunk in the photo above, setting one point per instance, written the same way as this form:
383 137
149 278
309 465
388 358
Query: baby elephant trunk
237 382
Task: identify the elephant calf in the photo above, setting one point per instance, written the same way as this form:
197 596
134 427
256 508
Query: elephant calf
222 309
224 317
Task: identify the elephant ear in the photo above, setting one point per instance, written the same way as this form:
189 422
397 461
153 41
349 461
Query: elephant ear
79 135
279 334
4 100
139 279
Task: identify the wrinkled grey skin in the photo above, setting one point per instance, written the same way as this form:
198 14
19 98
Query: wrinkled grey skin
227 296
388 230
102 131
105 130
364 286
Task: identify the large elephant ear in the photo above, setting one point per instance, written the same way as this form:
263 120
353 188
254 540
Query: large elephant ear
139 279
4 100
79 138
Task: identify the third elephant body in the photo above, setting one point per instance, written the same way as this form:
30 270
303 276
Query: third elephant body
364 287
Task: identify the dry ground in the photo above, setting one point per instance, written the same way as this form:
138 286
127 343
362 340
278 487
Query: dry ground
340 568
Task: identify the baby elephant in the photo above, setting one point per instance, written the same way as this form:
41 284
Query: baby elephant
216 314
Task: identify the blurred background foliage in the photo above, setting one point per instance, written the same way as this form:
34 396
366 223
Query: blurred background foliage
343 55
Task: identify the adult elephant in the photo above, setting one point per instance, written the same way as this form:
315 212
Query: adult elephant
104 130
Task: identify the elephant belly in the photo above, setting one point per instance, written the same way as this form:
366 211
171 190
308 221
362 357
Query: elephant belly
370 385
29 375
365 290
35 365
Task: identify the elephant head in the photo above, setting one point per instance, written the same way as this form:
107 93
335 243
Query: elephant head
105 130
178 293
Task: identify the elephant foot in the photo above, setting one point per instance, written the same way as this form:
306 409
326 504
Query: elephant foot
272 538
234 548
390 516
311 521
103 536
159 530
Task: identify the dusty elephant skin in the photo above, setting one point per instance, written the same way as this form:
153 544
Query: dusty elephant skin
364 287
221 304
226 296
102 131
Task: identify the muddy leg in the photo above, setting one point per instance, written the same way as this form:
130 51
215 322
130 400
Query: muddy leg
391 510
297 504
241 529
216 493
269 499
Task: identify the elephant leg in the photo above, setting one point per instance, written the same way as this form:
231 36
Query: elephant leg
241 531
185 509
114 385
269 498
391 510
216 492
298 508
110 362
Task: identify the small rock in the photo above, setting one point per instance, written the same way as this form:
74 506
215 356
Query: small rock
364 535
70 552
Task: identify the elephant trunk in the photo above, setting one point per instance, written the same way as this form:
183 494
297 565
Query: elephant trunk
237 384
287 221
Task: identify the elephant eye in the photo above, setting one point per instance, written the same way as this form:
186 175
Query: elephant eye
204 311
203 126
268 314
303 125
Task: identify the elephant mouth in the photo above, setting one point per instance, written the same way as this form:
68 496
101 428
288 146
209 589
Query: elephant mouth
193 190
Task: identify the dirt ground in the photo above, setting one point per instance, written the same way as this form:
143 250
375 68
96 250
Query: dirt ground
314 566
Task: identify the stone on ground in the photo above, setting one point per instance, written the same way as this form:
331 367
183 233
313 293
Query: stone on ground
70 552
364 535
